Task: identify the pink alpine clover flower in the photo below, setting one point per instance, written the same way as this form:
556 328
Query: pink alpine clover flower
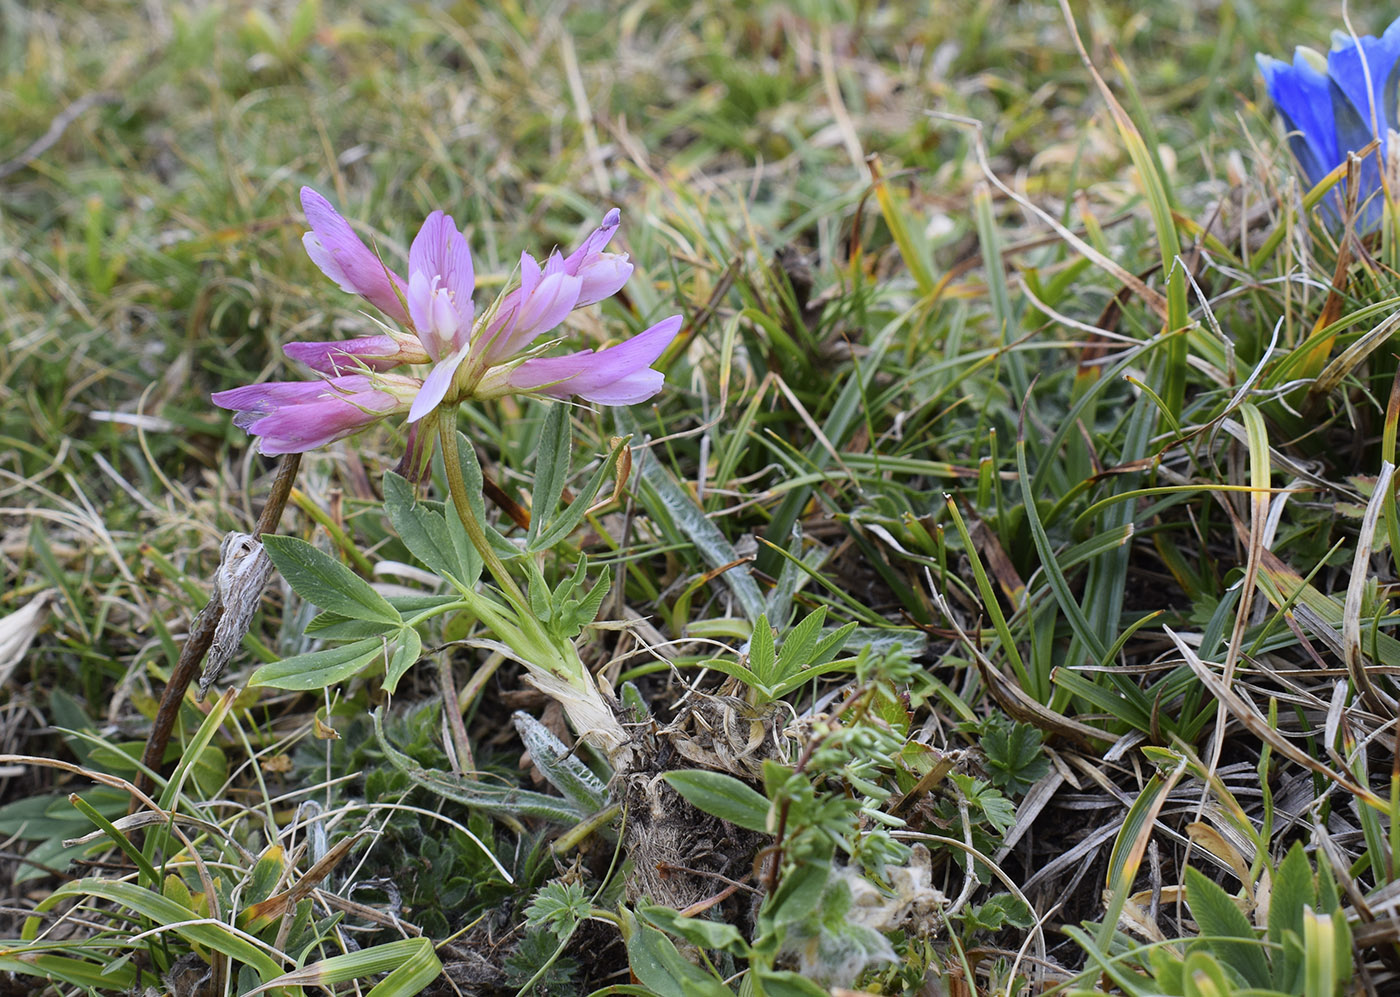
471 356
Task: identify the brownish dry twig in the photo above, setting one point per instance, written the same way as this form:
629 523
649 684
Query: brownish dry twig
202 632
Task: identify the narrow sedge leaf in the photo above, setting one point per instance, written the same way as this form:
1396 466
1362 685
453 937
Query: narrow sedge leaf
1130 844
1035 684
723 796
323 581
75 972
410 962
1059 585
162 910
149 876
670 499
203 737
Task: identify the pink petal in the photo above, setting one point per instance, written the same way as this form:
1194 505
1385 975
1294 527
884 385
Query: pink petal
549 304
435 388
602 277
618 375
334 247
296 416
374 352
530 274
297 429
267 397
441 254
596 242
603 274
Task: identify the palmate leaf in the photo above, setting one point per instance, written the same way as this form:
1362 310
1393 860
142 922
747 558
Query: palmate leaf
1014 758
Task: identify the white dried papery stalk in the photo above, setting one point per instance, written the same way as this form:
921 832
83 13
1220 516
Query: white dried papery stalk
589 714
18 630
244 569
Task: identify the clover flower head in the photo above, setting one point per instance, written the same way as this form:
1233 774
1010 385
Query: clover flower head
1336 104
471 355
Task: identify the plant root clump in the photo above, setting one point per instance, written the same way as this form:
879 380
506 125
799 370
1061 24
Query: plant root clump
682 856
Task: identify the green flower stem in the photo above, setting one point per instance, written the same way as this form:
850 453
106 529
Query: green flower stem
526 626
447 434
552 662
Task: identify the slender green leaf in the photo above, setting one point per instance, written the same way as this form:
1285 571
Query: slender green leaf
656 962
319 669
551 469
405 656
164 911
410 962
563 768
493 798
74 972
691 520
423 531
722 795
697 930
763 658
323 581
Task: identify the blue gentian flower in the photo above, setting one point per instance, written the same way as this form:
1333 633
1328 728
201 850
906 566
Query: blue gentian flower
1337 104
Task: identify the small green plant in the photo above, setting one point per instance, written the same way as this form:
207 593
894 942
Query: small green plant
771 671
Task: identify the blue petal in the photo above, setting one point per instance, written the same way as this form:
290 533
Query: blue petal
1303 98
1364 94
